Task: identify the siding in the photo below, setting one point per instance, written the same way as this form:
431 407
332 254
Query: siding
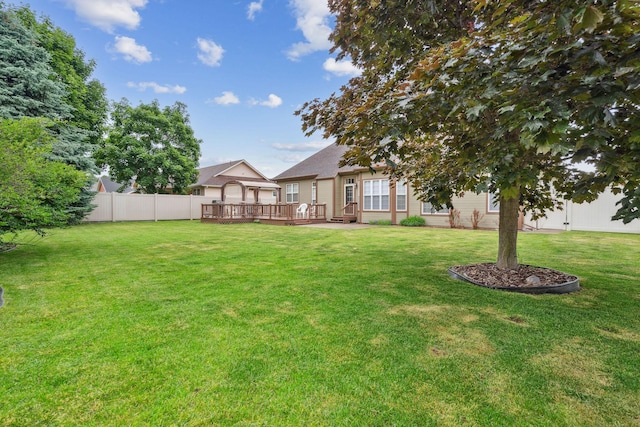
242 170
325 195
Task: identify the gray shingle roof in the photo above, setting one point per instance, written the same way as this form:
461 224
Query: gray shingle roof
323 164
110 186
213 176
210 172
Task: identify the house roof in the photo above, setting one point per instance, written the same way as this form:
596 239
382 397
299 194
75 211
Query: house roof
110 186
214 176
323 164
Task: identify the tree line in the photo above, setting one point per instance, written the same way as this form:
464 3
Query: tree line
55 136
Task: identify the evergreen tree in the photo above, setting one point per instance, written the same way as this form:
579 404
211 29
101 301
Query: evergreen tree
79 135
38 53
27 84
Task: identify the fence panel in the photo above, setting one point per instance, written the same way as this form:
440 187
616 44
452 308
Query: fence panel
112 207
594 216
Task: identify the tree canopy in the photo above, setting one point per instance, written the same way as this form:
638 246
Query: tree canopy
28 84
153 146
480 95
35 191
79 134
43 74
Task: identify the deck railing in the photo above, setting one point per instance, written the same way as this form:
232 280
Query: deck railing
247 212
350 209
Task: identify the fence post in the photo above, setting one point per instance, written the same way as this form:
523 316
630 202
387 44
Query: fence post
113 207
155 207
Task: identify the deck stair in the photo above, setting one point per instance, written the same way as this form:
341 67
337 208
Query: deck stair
343 219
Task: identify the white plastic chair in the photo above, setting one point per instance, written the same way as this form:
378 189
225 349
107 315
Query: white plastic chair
302 211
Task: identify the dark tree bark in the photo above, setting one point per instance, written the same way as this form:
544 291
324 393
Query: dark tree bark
508 233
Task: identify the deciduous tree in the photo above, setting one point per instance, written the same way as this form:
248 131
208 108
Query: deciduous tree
79 134
35 191
43 74
154 146
503 96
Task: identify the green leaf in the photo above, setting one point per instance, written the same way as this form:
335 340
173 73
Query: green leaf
562 22
624 70
474 112
591 19
503 110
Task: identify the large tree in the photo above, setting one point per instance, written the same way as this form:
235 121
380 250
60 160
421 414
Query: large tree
153 146
79 134
482 95
43 74
35 191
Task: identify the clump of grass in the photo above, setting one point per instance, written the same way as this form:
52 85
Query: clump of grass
413 221
380 222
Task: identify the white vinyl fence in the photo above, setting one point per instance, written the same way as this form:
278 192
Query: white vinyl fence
112 207
594 216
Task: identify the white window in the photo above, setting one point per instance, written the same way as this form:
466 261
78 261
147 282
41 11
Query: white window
493 203
196 192
428 209
292 193
314 193
376 195
401 196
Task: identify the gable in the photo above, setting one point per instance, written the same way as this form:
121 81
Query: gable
242 170
219 175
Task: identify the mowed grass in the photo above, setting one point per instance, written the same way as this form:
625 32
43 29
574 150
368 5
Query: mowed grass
182 323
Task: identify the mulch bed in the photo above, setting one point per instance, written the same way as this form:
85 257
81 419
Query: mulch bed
524 276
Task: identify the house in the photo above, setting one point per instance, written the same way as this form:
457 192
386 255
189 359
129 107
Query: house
235 182
106 185
354 193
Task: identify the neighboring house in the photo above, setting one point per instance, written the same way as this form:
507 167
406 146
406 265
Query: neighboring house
106 185
235 182
353 193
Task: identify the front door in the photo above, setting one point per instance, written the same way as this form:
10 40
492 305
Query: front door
349 194
349 209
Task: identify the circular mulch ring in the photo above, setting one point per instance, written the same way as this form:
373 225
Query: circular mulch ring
525 278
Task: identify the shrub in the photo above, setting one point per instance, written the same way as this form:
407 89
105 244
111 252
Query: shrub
476 217
454 218
413 221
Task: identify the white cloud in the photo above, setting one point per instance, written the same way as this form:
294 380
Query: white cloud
132 51
253 8
210 52
157 88
305 146
341 68
108 14
227 98
312 18
274 101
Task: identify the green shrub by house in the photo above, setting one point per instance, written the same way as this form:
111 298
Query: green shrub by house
413 221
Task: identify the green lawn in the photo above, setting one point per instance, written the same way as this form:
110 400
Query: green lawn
182 323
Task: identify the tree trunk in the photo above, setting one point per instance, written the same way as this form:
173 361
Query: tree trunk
508 233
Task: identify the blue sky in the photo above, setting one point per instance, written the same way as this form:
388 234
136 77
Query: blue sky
242 67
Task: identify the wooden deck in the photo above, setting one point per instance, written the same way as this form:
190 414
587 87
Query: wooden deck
280 214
